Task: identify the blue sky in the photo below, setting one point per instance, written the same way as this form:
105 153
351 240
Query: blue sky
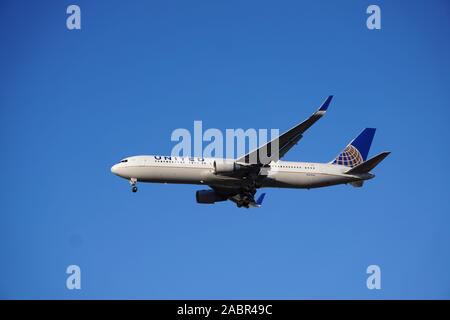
72 103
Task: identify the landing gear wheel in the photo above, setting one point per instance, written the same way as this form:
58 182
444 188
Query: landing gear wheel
133 182
243 203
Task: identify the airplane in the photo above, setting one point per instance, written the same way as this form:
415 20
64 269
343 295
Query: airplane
239 179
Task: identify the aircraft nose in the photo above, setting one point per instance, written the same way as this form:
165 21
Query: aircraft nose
114 169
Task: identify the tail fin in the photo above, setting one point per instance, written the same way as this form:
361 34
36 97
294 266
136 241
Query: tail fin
356 151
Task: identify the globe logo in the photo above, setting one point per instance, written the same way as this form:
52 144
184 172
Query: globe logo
350 157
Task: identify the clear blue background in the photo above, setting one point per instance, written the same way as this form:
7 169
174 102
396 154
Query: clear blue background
73 103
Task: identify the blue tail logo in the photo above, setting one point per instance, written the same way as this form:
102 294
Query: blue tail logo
356 152
260 199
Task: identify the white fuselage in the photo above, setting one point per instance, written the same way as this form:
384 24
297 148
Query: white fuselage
281 174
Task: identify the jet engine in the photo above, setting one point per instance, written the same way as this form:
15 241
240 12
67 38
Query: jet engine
226 167
208 196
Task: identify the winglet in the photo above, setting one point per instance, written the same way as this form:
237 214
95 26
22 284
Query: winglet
260 199
325 104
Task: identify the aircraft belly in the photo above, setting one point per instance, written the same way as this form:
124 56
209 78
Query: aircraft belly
196 175
322 180
222 180
302 180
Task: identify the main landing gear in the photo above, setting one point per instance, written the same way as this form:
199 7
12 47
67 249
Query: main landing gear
247 195
243 202
133 182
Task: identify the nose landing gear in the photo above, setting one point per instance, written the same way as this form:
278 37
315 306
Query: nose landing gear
133 182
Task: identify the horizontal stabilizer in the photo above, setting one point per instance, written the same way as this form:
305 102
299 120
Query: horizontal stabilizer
368 165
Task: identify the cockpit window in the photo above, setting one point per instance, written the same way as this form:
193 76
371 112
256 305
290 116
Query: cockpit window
124 160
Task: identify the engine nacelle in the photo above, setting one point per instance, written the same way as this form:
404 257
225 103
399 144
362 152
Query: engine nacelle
226 167
208 196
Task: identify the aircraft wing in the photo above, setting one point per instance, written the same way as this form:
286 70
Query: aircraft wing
285 141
